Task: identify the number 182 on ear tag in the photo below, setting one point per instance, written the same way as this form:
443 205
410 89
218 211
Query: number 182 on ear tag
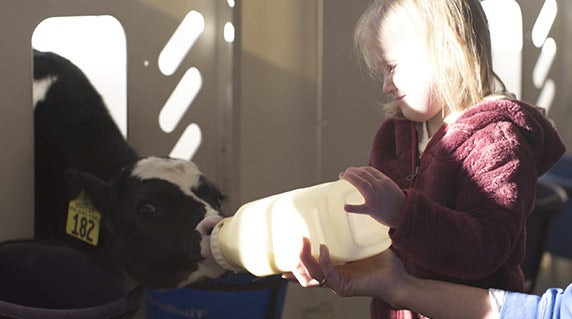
83 220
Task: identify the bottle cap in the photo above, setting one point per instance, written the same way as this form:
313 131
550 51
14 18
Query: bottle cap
217 253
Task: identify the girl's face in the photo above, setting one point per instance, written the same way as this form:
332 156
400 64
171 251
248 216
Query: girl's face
407 72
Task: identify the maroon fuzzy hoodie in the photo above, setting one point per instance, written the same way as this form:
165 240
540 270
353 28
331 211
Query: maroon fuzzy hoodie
465 214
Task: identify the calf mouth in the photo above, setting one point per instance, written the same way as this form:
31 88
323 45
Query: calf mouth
208 268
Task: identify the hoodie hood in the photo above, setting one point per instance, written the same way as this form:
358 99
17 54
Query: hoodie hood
536 130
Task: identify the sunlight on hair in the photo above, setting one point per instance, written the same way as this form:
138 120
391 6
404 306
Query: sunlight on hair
544 22
181 42
98 46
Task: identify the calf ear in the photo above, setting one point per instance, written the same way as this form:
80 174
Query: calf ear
97 190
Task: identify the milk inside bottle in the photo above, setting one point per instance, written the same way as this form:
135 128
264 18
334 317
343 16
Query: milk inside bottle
264 237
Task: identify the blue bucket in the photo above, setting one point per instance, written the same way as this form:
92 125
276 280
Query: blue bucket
40 280
235 295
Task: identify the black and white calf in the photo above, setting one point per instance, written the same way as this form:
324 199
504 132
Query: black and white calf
156 214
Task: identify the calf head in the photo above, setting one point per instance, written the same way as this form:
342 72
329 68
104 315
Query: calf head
156 220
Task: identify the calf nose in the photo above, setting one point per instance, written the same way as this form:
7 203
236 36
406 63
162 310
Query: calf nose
205 227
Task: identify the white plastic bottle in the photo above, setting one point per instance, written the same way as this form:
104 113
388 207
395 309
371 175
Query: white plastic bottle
264 237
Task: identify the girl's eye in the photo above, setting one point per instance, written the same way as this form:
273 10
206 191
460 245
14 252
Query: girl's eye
146 210
388 69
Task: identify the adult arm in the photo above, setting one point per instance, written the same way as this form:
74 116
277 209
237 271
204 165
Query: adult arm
383 276
440 299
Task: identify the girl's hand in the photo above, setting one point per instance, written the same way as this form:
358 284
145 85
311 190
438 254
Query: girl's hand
379 276
384 200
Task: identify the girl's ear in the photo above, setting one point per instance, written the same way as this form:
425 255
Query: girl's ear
97 190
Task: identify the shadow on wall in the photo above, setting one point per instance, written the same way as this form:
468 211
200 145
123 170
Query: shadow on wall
277 129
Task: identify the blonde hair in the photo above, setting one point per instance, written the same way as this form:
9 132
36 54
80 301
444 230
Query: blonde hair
457 38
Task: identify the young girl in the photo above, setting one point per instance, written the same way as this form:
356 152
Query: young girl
453 170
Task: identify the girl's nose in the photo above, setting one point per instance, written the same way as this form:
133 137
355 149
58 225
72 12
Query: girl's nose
388 85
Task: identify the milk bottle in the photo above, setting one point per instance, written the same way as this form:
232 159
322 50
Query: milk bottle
264 237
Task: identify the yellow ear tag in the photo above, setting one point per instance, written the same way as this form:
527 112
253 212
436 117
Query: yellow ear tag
83 220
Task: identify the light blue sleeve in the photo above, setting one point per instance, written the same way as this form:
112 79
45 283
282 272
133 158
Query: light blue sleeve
554 303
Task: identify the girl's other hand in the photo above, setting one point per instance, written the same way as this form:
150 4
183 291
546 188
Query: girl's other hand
384 200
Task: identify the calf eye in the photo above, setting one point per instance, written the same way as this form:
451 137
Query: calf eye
146 210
